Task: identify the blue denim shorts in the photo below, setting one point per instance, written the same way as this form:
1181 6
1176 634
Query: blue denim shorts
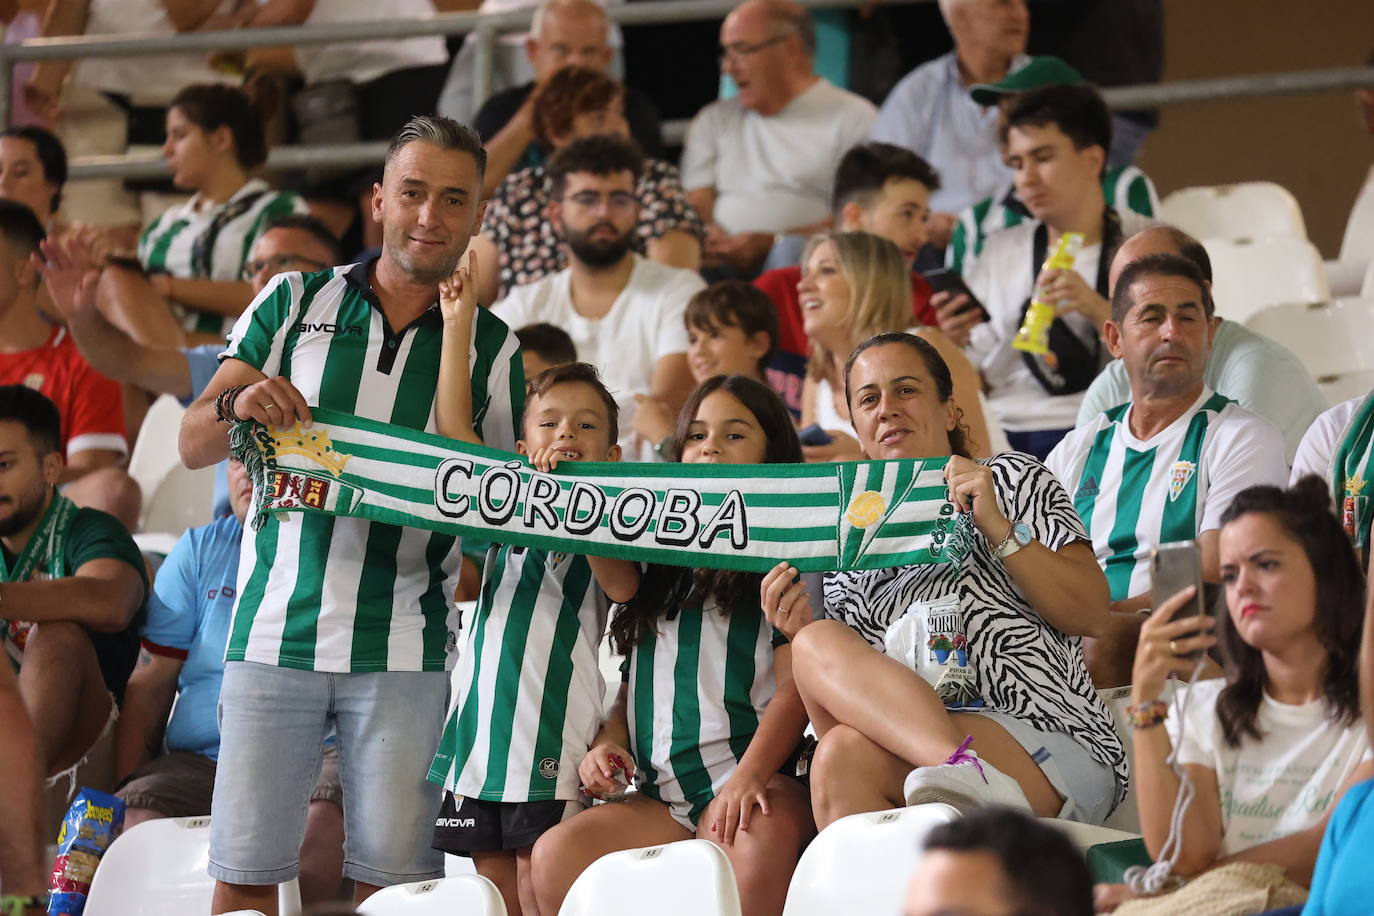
273 722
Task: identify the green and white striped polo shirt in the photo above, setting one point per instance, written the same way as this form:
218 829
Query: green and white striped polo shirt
698 688
198 242
530 691
1134 494
1125 188
322 593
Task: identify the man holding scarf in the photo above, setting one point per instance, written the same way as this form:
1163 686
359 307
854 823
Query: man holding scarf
71 596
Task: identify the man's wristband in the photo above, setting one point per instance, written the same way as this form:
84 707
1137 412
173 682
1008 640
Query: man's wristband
224 404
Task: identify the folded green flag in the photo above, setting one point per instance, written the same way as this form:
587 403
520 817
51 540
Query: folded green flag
856 515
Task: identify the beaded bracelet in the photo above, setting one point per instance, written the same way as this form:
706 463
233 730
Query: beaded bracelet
1147 715
224 404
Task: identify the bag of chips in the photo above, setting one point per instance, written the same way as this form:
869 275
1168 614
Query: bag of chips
91 824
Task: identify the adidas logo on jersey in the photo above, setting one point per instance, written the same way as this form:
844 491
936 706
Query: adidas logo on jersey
1087 489
306 327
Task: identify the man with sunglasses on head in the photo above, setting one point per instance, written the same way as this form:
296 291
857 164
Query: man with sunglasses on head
763 162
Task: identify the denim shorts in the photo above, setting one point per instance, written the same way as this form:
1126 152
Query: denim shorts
273 722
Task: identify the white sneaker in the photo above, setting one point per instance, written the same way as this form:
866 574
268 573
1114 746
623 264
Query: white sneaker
965 782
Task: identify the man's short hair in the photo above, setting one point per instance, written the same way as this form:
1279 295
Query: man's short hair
211 106
52 155
445 133
602 154
20 228
313 225
1189 248
542 11
547 341
865 169
788 18
1158 265
1043 870
1077 110
36 413
565 373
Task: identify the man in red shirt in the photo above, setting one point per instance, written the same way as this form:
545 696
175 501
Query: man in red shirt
879 188
43 356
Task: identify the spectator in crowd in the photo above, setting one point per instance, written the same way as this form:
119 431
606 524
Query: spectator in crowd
366 644
73 590
1337 449
1016 720
519 244
183 660
543 346
1125 187
1272 746
855 287
731 330
22 876
564 33
43 356
1258 372
1056 141
33 171
763 162
623 311
931 113
190 288
1000 861
1164 465
879 188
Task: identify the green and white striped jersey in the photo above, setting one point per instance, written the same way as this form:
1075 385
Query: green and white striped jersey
1133 495
321 593
698 687
530 690
197 242
1126 188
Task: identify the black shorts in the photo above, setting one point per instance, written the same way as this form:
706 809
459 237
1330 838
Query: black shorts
487 826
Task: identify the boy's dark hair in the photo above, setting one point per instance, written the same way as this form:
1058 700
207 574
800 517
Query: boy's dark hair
1077 110
20 228
737 304
38 415
1163 265
1043 869
574 372
446 134
305 222
603 154
211 106
547 341
865 169
52 155
567 93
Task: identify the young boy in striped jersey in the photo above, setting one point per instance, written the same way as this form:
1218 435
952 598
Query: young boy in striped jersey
529 688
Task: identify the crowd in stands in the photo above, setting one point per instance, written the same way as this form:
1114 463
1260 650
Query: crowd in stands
816 279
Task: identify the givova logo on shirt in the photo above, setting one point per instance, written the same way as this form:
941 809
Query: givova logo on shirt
326 327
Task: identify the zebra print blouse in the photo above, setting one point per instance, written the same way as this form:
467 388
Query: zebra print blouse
1025 667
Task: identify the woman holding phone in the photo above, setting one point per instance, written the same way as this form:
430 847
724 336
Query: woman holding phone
1272 745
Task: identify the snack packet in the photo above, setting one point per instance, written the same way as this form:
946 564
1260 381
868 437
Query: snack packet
91 824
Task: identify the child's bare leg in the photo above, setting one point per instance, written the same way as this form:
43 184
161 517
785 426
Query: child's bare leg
498 866
765 855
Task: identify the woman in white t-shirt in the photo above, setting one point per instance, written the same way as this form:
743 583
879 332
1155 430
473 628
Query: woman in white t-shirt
1271 747
854 286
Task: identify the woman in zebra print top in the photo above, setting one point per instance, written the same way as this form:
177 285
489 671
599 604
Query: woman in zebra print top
1013 611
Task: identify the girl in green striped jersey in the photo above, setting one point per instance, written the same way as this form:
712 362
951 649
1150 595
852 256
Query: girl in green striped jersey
707 719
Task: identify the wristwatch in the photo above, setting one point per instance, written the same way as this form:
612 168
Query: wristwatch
1018 536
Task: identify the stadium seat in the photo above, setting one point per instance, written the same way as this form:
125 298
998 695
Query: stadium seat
457 866
183 499
688 878
1343 386
1248 211
1358 243
470 895
158 869
1367 285
1329 337
863 863
1249 276
155 451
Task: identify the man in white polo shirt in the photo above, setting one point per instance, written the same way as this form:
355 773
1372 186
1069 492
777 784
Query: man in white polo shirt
1165 465
623 312
763 163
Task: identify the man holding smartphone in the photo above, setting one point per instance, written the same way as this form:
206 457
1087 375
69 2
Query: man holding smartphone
1165 465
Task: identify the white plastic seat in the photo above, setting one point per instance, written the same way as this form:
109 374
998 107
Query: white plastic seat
863 863
1329 337
1343 386
157 868
155 451
183 499
689 878
1250 210
1358 242
470 895
1367 285
1250 276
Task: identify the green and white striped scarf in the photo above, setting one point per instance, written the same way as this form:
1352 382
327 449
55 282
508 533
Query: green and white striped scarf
857 515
